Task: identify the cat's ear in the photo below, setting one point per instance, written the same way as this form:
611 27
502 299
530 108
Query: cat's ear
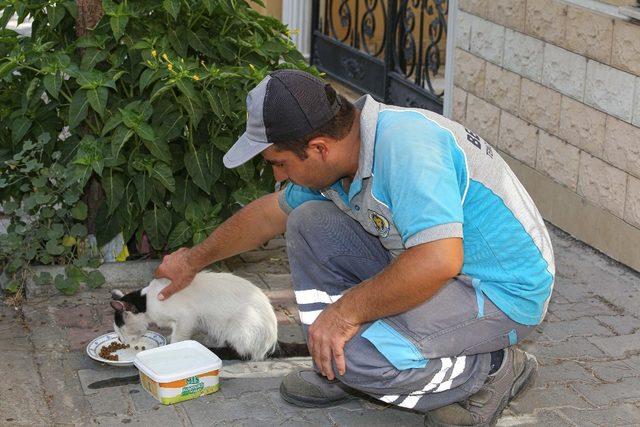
116 294
123 306
118 305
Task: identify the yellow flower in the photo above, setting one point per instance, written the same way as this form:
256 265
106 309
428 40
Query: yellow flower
165 57
252 67
154 53
170 66
196 78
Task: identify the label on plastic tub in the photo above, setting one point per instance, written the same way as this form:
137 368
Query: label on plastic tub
181 390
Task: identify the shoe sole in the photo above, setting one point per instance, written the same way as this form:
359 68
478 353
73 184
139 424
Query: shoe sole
305 402
523 382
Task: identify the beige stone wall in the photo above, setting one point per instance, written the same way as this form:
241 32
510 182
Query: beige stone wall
556 88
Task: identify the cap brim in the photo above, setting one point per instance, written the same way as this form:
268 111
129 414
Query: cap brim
243 150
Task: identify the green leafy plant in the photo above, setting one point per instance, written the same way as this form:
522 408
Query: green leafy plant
120 126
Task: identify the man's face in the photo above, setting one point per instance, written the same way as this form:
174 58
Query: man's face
315 172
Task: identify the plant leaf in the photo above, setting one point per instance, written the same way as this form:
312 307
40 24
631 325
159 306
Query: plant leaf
157 224
180 234
98 99
53 248
113 186
196 164
95 279
78 108
172 7
19 128
53 83
147 77
159 148
118 25
119 138
163 174
143 187
79 211
145 131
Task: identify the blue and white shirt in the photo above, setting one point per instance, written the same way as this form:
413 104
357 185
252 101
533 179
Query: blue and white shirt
422 177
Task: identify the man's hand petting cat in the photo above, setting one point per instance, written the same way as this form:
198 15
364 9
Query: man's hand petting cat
177 268
327 336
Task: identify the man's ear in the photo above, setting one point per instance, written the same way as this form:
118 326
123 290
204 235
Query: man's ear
319 145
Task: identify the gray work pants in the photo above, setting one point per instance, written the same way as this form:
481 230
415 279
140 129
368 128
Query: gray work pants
430 356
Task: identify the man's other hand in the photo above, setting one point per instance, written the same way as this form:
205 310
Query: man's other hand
177 268
327 337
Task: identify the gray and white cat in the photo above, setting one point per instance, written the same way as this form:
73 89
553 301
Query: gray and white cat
228 309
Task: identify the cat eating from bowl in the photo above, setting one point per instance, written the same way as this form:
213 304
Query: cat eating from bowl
230 310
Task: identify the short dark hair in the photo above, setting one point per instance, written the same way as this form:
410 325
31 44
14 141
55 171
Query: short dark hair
336 128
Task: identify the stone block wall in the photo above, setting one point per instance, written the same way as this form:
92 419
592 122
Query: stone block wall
555 86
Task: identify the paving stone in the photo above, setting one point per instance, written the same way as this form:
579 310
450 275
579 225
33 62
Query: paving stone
576 349
563 372
236 387
110 401
554 396
618 346
592 307
251 406
387 417
611 371
164 416
254 278
263 255
627 389
20 379
623 324
276 243
278 281
103 373
142 399
62 390
291 333
582 327
617 415
537 419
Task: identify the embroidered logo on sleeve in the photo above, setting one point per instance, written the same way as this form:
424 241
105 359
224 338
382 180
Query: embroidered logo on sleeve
380 223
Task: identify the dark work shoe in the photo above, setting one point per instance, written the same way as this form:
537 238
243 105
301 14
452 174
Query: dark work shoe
485 406
309 389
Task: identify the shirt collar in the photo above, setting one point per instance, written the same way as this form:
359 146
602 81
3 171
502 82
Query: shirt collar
369 109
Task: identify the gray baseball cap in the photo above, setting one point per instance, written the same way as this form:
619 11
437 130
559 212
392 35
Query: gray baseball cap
285 105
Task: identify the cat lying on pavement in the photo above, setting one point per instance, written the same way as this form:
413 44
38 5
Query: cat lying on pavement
230 310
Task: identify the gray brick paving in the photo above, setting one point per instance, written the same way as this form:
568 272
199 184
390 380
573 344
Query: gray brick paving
622 415
618 346
588 348
626 390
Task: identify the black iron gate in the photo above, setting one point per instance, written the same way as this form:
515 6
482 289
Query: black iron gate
392 49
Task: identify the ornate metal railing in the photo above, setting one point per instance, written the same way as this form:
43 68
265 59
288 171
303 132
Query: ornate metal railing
392 49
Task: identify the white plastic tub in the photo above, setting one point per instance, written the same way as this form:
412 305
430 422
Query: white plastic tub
177 372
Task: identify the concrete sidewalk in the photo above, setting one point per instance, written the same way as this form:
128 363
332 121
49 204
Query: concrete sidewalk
588 348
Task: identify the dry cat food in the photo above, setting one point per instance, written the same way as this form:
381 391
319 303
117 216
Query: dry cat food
105 351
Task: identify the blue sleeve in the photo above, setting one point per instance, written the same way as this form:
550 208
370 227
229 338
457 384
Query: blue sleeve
294 195
420 172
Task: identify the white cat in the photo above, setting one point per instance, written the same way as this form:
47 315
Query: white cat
229 309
